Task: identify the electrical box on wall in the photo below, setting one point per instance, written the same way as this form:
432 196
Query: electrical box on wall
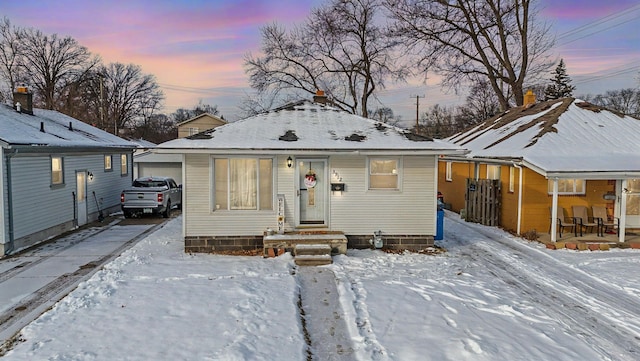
337 187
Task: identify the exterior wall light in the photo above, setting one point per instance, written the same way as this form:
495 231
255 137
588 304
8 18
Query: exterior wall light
90 176
289 162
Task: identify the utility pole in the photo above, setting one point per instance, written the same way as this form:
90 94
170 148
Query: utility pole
417 108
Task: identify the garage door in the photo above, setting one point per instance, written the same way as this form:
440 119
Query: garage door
173 170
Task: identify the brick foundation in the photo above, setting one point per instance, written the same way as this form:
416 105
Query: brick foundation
209 244
395 242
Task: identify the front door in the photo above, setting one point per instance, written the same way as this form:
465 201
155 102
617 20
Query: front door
81 196
312 192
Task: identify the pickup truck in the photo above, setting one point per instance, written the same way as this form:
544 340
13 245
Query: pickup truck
151 195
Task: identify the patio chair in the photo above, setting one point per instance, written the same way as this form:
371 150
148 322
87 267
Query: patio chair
604 222
563 221
583 221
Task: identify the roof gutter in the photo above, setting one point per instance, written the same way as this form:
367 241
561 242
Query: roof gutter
308 151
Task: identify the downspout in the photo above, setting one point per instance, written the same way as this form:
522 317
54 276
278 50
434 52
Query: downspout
10 226
519 196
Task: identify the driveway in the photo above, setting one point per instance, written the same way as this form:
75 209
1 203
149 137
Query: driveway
35 279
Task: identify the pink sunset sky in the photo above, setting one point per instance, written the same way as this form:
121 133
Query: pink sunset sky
196 48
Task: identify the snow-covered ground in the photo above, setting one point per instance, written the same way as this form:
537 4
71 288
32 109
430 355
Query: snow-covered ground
489 297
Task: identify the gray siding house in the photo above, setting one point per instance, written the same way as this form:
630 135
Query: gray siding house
56 173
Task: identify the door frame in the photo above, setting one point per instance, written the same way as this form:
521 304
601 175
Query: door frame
325 200
81 181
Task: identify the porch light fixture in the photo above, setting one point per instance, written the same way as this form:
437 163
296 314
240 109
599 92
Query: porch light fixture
289 162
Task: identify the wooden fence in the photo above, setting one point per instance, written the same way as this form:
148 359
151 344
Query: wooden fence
483 201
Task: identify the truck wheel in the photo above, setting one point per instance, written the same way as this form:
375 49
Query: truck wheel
127 214
167 211
179 206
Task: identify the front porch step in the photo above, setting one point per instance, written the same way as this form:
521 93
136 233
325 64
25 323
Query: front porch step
312 254
274 244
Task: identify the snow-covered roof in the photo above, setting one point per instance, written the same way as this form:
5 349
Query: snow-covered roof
558 136
308 126
143 143
58 130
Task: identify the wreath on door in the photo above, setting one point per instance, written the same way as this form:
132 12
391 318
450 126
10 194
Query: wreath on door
310 179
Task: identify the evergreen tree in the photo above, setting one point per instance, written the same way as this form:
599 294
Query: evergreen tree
560 86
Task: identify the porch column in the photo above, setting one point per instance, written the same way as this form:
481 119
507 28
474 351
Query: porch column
554 210
623 211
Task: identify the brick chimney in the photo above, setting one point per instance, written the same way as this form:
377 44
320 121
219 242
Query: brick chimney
23 100
529 99
320 97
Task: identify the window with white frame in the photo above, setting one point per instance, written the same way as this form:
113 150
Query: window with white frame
383 173
124 169
193 130
493 171
57 172
448 176
243 183
108 163
512 179
568 186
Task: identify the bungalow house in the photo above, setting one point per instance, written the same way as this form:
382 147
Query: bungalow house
308 167
148 163
548 157
56 173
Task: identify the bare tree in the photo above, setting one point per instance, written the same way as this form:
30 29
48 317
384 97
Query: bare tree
53 63
341 49
481 104
625 101
10 49
124 96
466 39
182 114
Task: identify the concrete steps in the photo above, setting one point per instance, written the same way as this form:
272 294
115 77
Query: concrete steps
312 254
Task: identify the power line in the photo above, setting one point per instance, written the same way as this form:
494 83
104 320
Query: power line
602 20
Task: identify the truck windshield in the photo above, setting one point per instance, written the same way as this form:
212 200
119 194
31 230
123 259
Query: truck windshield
149 183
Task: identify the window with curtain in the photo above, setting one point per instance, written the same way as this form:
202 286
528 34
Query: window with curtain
107 163
383 173
567 186
493 172
123 164
243 183
512 179
57 176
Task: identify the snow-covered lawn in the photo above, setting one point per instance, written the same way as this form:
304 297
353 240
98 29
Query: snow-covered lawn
489 297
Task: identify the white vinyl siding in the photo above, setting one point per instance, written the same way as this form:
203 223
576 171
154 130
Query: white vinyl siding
359 211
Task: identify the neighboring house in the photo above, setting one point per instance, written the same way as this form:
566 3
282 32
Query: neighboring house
148 163
56 173
199 123
557 153
308 166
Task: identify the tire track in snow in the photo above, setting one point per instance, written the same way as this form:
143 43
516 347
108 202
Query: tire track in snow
603 315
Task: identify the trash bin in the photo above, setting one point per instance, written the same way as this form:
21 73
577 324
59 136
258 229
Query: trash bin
440 225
